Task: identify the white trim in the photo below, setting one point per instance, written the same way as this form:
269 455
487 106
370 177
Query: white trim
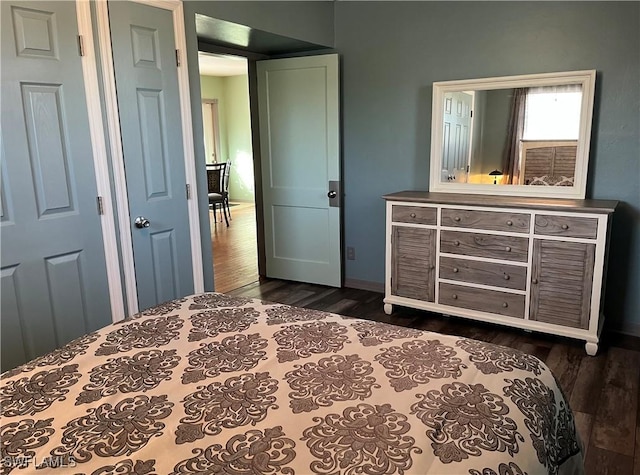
598 274
388 249
104 33
187 140
586 79
215 129
101 163
117 162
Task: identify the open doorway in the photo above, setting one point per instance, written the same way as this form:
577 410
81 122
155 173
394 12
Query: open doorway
227 140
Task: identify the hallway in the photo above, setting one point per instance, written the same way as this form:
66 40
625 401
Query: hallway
235 258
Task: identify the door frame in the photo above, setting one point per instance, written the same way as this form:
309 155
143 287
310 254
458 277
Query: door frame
100 159
115 142
215 125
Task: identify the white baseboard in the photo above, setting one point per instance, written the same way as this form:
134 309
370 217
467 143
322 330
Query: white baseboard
364 285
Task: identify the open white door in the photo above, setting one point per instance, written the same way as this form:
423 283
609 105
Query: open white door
298 102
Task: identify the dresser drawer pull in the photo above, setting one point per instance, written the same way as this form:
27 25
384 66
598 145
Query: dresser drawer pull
534 281
505 304
509 223
508 249
456 243
454 296
455 270
457 218
413 215
507 277
565 226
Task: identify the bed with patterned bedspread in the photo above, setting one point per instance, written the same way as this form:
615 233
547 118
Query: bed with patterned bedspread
219 384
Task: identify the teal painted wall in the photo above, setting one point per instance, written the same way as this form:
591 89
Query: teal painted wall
391 54
234 118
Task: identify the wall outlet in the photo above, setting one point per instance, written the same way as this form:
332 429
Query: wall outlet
351 253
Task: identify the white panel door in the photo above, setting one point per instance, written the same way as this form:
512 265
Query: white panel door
299 141
457 133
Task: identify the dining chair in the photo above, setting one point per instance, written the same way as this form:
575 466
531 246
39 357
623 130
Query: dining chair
225 188
216 189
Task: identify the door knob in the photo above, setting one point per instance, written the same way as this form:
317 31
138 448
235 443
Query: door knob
332 194
141 222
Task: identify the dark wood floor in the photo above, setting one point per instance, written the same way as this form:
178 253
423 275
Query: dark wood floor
603 391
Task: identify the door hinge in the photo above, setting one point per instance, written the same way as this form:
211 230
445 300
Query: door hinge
188 191
100 205
178 58
80 45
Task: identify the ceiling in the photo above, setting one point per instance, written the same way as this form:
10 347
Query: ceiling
221 65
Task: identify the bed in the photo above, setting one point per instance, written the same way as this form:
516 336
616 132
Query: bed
213 383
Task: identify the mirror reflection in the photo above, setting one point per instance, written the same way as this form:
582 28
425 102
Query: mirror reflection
511 136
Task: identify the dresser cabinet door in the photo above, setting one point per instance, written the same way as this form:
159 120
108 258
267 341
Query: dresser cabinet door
562 276
413 263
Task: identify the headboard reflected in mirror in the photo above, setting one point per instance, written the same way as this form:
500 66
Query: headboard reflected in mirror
516 135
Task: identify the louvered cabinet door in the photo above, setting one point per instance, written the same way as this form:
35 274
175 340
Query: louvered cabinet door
562 277
413 263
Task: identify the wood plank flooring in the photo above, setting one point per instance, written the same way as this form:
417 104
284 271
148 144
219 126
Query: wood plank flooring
604 391
235 255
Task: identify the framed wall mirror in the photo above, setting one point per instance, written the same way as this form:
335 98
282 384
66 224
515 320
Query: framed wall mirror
518 135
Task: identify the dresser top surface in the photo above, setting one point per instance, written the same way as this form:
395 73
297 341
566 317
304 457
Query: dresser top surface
552 204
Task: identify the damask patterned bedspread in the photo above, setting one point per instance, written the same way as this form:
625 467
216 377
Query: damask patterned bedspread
219 384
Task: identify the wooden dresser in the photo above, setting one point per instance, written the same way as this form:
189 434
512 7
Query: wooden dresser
531 263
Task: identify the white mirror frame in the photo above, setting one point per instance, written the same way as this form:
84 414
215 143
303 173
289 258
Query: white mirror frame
586 79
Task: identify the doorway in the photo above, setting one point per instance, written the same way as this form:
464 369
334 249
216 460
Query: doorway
227 139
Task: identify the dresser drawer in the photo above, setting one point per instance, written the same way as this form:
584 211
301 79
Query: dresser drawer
480 272
510 248
489 220
483 300
568 226
413 214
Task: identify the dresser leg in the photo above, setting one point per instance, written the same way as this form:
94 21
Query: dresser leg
388 308
591 348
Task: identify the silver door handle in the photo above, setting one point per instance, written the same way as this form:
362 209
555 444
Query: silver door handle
142 222
334 194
